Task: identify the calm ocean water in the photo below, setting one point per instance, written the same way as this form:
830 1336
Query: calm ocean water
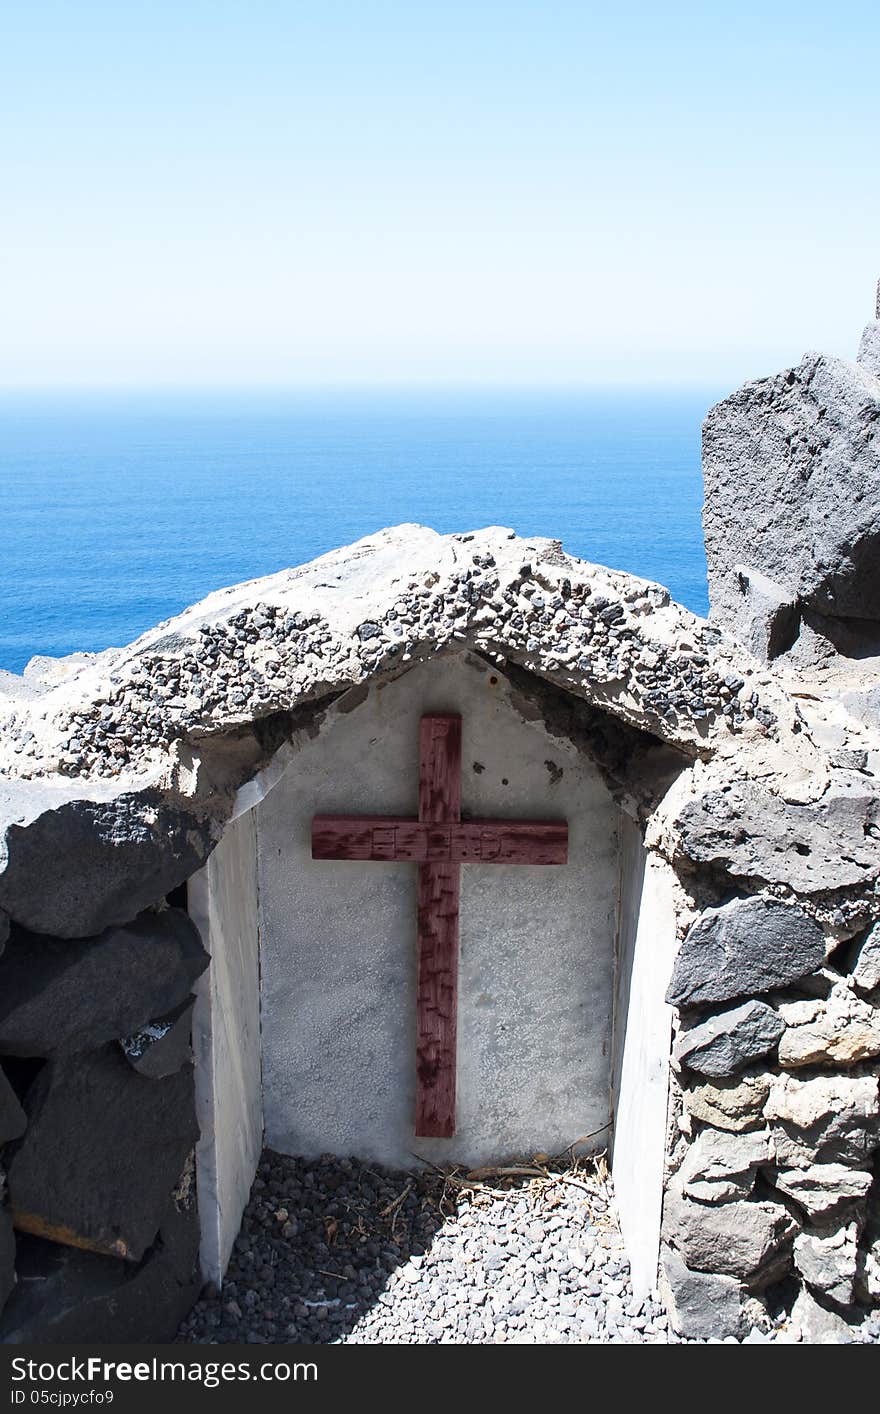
119 510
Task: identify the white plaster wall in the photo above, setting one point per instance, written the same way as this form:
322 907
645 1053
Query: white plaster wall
339 939
222 900
642 1040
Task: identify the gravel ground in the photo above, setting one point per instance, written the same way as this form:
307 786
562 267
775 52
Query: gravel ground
338 1252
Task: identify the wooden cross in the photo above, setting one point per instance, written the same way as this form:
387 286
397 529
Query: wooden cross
439 842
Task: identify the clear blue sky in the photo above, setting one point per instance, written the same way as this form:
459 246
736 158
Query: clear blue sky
272 191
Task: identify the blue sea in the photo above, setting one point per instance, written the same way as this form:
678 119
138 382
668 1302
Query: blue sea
119 510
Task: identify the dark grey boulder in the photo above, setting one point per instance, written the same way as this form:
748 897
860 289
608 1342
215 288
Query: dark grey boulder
102 1152
73 995
746 946
730 1041
750 1240
13 1120
66 1295
74 867
792 476
701 1305
746 831
7 1257
4 929
164 1046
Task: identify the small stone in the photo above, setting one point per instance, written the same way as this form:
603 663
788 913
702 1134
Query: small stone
720 1166
701 1305
822 1188
805 1102
841 1031
748 1240
747 946
729 1041
865 963
827 1262
817 1325
162 1047
734 1103
868 1266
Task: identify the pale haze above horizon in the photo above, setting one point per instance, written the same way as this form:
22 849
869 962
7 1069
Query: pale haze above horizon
272 194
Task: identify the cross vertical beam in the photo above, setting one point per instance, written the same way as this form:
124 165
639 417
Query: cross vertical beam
439 892
439 841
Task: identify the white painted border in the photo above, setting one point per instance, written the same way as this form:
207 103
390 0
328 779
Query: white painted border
643 1038
226 1043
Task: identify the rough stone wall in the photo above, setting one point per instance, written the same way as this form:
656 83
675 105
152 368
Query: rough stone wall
97 1123
774 1124
776 1119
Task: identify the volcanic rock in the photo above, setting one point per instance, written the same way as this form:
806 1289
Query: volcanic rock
101 1154
61 995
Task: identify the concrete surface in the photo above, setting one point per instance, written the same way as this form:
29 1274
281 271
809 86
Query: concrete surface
226 1040
642 1041
339 939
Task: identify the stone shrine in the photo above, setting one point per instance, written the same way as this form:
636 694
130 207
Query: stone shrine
649 925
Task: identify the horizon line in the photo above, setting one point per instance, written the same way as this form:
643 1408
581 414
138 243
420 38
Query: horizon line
389 386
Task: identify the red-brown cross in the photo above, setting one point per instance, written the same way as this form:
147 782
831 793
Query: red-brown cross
439 842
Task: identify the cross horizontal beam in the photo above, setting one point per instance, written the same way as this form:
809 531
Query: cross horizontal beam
439 841
389 839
